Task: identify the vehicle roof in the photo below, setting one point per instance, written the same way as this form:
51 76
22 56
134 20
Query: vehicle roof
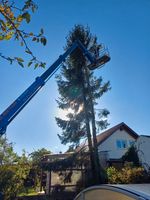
141 189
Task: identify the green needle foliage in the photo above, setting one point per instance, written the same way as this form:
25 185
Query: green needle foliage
74 82
80 91
132 156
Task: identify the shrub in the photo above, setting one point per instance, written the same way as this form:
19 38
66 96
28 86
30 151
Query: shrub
12 179
126 175
132 156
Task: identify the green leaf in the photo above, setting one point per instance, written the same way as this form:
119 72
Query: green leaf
19 59
42 65
30 63
20 63
29 52
19 18
26 16
1 37
44 41
36 65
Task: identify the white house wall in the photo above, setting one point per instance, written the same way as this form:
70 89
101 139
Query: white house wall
110 146
143 147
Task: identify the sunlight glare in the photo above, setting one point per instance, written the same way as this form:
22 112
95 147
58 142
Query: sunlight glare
63 113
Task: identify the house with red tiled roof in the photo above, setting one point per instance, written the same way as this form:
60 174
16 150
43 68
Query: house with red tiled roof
114 143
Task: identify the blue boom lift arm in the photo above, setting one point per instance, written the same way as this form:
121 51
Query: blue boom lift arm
12 111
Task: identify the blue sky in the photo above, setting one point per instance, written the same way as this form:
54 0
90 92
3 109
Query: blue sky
123 26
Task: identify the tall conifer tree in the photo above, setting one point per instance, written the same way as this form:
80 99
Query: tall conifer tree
79 91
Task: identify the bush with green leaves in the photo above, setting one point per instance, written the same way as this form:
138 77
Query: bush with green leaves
13 16
126 175
12 179
13 169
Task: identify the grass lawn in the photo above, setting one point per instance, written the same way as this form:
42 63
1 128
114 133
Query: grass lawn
29 192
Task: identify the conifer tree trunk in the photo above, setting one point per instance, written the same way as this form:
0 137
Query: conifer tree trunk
90 145
95 147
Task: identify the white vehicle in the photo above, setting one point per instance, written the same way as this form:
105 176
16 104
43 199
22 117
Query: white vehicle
116 192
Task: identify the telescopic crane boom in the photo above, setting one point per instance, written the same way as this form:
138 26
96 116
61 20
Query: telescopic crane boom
12 111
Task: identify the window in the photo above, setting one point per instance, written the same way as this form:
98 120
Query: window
121 144
124 144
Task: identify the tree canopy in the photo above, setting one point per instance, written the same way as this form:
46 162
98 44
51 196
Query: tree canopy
13 14
38 155
14 169
17 173
73 88
80 91
7 154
